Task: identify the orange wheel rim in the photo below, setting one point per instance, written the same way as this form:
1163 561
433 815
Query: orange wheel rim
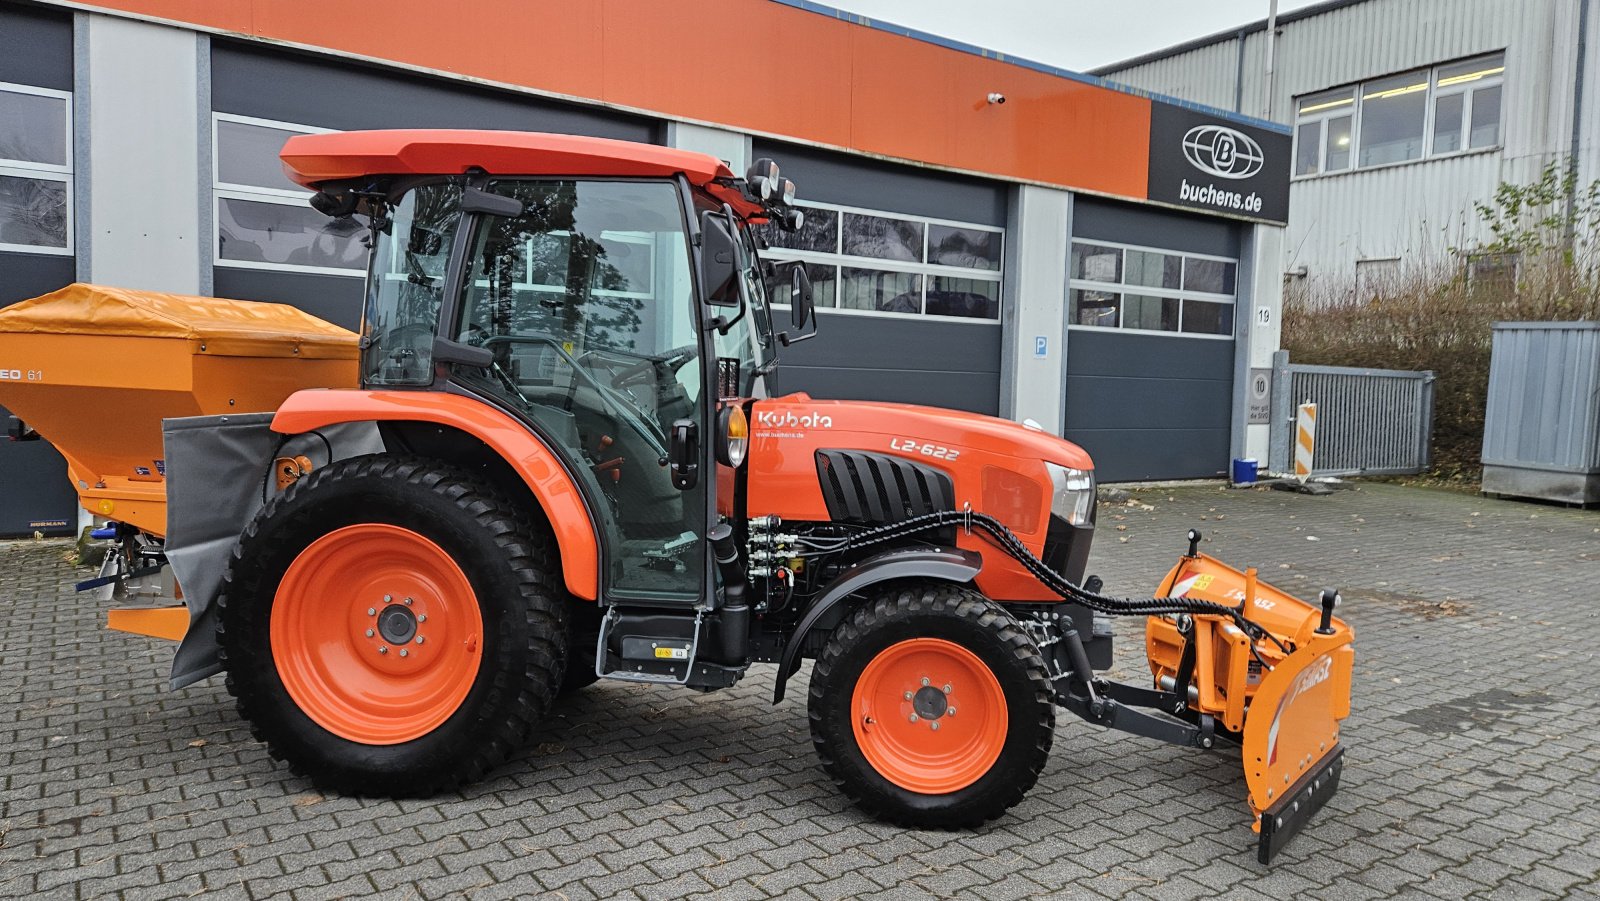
929 716
376 634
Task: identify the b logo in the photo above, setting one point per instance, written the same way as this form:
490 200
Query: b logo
1222 151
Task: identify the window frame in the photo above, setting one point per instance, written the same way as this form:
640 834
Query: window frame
840 261
1467 91
52 172
221 190
1123 288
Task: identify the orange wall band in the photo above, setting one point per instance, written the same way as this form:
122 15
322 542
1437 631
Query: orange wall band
736 63
532 460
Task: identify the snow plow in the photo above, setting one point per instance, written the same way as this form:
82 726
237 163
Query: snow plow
553 458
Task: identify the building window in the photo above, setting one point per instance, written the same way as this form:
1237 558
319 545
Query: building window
1493 272
871 261
1376 277
1447 109
263 220
1124 287
35 169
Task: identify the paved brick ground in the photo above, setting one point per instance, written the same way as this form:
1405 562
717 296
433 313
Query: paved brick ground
1474 753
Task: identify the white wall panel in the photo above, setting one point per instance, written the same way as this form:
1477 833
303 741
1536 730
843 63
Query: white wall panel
144 206
1035 287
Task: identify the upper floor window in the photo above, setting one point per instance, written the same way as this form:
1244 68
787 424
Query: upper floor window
35 169
264 220
881 262
1429 112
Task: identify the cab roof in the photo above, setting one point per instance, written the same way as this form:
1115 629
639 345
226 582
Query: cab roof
311 160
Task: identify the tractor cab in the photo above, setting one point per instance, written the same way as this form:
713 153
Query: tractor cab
612 313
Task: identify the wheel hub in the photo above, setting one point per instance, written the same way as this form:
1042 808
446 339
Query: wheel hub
930 703
397 624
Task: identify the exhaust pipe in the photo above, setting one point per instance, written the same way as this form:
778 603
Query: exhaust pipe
735 613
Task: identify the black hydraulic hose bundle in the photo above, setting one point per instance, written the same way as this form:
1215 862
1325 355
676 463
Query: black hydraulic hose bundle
1011 544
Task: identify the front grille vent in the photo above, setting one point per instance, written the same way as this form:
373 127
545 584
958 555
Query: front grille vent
862 487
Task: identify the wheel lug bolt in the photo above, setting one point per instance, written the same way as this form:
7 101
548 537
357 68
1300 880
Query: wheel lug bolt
372 611
407 602
908 696
934 725
404 653
369 633
422 617
382 649
420 639
913 717
924 680
947 688
950 712
387 598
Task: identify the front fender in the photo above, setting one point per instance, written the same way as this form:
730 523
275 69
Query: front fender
532 460
943 564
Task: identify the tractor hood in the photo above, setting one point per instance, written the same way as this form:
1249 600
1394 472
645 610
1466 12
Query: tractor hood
894 428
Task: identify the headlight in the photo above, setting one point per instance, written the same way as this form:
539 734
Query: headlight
1073 495
735 438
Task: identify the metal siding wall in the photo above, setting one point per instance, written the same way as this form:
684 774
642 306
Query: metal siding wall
901 359
35 49
1417 211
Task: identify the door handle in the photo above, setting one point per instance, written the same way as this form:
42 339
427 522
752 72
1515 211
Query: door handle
683 457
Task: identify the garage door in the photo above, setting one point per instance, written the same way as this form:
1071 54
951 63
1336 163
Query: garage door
907 270
1150 346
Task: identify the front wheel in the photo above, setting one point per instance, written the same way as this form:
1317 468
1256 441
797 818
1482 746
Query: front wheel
931 707
392 626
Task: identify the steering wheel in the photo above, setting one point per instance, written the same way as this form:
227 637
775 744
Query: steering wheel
671 360
624 410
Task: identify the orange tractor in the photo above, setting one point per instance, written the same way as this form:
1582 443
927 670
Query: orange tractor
551 456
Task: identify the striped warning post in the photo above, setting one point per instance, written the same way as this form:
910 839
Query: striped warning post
1305 440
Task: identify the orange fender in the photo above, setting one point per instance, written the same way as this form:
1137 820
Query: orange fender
538 466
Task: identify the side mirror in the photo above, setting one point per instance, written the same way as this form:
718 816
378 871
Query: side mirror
802 300
719 261
474 200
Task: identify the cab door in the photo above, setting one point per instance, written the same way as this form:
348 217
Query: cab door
586 299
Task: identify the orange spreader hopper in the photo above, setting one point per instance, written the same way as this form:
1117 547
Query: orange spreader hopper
95 370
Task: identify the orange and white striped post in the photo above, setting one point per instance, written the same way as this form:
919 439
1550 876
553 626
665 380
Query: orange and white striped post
1305 440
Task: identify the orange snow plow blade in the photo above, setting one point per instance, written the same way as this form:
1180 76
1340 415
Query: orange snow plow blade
1281 697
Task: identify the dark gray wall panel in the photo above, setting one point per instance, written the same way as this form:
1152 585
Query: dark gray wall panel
36 47
33 478
25 275
331 297
1127 223
1150 406
859 181
289 86
906 360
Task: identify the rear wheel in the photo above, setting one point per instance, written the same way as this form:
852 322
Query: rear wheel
931 707
392 626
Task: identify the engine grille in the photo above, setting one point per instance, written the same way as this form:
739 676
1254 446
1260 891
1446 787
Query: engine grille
864 487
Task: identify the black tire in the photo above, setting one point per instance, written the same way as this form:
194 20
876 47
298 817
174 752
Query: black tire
509 561
964 617
583 636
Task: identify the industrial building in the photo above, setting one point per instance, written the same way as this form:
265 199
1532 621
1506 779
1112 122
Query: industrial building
1406 115
984 233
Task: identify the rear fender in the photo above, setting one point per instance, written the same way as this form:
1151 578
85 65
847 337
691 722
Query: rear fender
944 564
525 453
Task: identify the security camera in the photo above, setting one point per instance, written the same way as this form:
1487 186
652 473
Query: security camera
997 97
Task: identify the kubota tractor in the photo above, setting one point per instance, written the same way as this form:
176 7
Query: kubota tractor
552 456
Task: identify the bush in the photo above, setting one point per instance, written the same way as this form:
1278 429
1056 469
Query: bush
1435 317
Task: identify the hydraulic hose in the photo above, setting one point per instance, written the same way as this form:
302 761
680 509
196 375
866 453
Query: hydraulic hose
1012 545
